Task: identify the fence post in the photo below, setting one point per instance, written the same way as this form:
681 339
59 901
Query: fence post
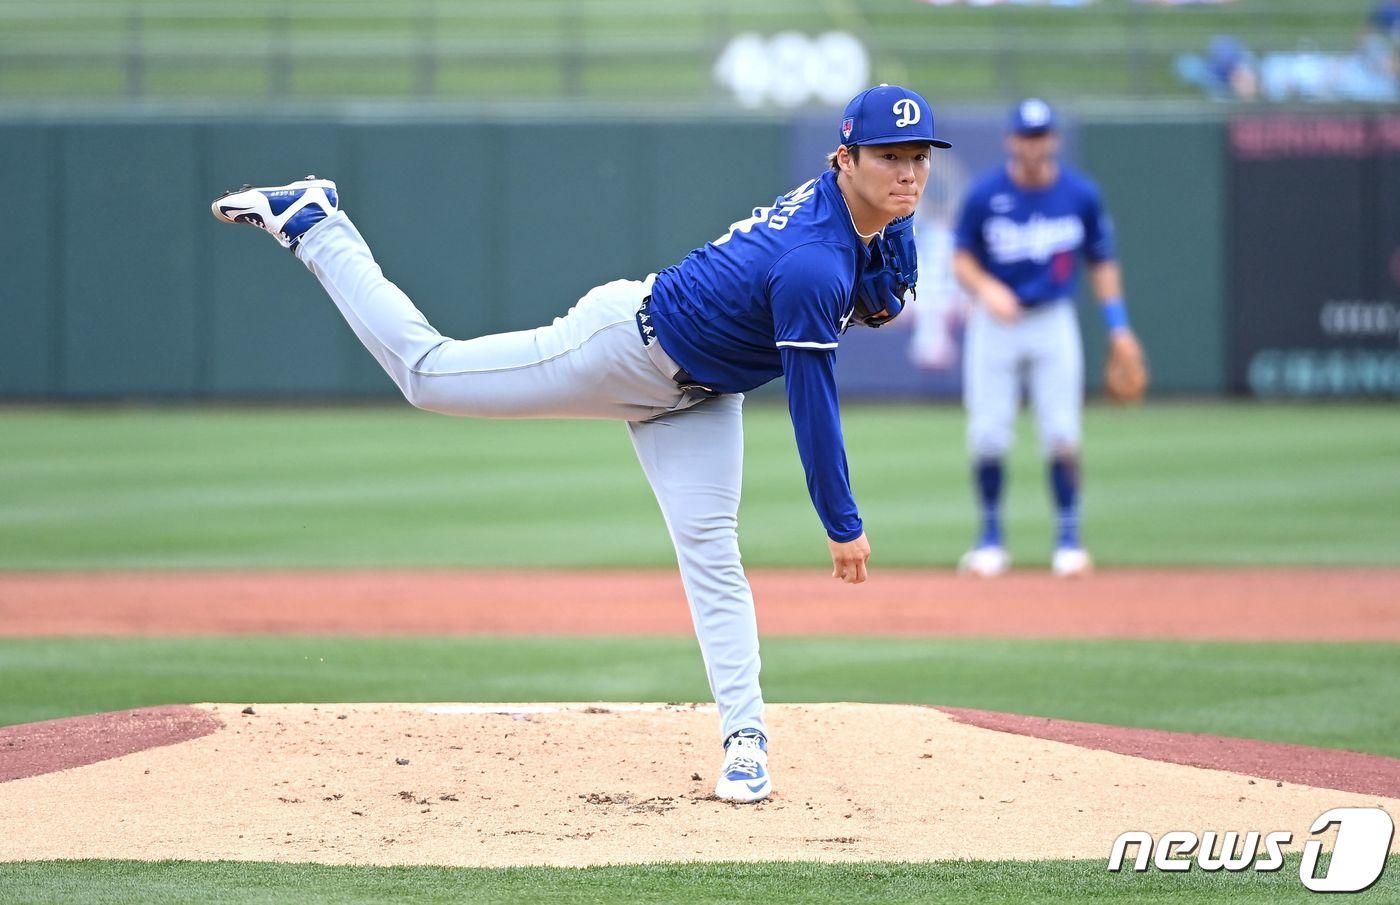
571 59
1008 60
135 62
1139 53
427 48
722 27
279 28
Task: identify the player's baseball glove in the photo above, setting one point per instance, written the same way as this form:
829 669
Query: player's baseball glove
891 275
1125 374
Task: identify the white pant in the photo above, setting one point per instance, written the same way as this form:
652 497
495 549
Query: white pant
590 363
1041 350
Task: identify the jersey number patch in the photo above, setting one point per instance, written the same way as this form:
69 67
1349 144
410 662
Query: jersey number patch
775 216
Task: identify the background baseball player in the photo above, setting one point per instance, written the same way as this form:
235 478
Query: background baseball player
1021 230
672 356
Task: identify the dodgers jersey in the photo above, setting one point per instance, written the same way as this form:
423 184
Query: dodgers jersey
1029 238
784 278
771 297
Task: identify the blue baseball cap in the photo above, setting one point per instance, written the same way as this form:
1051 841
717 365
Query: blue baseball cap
887 115
1032 116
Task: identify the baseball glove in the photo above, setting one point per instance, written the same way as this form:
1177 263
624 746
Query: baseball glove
892 274
1125 375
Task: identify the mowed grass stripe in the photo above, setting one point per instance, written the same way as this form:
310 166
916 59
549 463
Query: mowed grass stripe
1209 484
83 882
1330 695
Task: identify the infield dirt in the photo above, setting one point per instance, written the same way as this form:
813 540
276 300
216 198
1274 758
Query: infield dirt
1238 604
577 784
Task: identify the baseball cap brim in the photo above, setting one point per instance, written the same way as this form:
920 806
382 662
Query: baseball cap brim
903 140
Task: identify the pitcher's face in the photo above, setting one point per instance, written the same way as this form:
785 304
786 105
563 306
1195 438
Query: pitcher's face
890 178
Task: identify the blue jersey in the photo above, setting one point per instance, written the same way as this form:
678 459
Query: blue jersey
784 277
1030 238
771 297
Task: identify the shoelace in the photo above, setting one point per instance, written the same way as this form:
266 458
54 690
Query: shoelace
746 765
742 763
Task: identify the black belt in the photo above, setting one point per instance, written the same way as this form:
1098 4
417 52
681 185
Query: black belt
682 376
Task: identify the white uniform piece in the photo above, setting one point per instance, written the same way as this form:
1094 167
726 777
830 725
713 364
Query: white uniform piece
1040 352
590 363
938 299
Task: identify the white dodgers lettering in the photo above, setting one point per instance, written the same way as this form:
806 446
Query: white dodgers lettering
1038 239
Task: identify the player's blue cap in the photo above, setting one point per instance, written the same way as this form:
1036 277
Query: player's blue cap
1032 116
887 115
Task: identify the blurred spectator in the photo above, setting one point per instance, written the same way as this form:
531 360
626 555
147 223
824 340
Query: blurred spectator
1381 46
1369 74
1228 70
1372 73
1009 2
1385 19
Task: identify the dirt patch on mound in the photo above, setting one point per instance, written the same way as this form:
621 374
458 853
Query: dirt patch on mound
36 748
577 784
1302 605
1325 768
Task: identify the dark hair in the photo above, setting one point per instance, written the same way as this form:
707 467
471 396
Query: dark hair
854 151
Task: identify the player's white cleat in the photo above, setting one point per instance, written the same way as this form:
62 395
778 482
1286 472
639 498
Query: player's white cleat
744 776
1071 562
285 211
985 562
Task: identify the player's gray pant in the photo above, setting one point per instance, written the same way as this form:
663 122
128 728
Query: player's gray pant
1041 351
590 363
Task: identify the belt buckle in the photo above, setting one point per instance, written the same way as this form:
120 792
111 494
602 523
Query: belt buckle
691 388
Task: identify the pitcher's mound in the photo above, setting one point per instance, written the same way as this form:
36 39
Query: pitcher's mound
579 784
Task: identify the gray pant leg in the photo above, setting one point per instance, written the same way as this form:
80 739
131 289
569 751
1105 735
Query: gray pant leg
694 461
991 384
1057 378
588 364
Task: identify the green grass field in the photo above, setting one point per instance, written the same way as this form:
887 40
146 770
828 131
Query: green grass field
1332 695
1339 695
1166 485
771 884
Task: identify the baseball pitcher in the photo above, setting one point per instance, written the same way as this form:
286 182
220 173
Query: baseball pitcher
672 356
1021 230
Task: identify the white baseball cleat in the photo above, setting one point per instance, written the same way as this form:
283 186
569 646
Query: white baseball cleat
285 211
744 776
1071 562
985 562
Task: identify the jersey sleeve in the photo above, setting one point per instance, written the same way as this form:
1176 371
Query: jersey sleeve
1098 228
810 375
809 291
968 233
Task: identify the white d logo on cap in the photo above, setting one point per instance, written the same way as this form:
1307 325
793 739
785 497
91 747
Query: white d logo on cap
907 111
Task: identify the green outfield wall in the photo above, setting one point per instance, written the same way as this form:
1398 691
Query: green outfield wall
1165 183
118 284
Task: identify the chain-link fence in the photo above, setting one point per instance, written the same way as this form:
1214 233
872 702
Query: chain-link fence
632 50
